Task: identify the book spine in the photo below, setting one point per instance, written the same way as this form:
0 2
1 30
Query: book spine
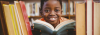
8 19
33 9
80 18
20 18
74 8
16 22
28 9
89 17
25 17
96 18
37 9
3 23
17 19
71 8
86 17
12 16
92 17
64 8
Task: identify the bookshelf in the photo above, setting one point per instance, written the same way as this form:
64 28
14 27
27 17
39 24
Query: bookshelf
67 16
66 1
37 17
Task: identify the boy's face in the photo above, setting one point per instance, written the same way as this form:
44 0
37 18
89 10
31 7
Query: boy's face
51 12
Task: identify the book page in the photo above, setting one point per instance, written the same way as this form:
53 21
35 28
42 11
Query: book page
45 23
46 27
63 24
43 26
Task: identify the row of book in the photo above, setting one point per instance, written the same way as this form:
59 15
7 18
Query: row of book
14 19
33 8
87 18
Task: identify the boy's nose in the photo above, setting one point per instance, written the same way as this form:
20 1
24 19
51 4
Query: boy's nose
52 13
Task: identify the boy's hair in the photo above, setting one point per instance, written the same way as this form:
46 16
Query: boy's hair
42 3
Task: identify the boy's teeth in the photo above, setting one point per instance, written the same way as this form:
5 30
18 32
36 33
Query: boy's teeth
52 18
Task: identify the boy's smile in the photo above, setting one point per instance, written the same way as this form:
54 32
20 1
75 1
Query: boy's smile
52 19
52 12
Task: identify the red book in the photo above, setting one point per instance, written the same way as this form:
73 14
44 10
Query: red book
22 4
92 17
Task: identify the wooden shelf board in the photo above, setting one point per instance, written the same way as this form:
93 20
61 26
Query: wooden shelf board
41 16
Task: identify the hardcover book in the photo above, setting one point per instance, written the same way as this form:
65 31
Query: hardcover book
47 28
22 4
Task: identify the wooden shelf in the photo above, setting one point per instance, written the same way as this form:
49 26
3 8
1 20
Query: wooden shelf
41 16
68 16
29 1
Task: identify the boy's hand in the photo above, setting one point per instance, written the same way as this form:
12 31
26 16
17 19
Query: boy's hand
71 31
35 31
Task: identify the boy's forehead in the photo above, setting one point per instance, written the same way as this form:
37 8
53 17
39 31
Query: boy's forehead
51 2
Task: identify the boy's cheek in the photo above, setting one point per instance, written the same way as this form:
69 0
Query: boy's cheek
44 14
59 15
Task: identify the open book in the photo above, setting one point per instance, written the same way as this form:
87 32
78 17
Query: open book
48 28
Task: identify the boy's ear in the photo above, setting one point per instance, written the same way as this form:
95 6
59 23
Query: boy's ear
41 13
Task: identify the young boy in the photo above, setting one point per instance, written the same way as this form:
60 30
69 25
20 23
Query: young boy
51 11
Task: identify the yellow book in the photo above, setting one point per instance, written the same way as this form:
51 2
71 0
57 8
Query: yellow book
8 19
13 15
80 18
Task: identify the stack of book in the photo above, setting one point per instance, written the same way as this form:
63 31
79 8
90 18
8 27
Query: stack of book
14 19
87 17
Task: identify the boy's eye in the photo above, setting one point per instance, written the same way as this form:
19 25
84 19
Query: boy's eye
56 10
47 11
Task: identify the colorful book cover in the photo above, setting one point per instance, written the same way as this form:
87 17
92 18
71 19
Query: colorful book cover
20 18
8 19
13 18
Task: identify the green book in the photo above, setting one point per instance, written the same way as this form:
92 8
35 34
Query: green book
47 28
